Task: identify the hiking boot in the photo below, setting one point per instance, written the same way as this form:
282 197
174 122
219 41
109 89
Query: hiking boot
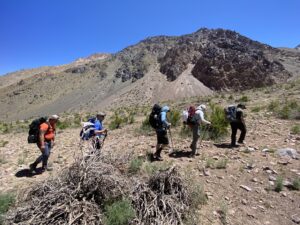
157 157
46 168
242 142
32 168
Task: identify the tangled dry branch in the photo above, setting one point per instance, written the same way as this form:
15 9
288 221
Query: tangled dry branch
79 194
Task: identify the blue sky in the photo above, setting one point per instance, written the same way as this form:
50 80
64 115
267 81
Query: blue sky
52 32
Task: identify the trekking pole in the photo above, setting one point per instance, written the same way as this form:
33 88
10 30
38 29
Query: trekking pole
172 150
204 131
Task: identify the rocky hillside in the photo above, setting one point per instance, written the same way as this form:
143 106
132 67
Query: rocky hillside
298 47
155 69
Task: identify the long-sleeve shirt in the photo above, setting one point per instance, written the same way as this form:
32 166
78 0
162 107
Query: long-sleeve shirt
200 117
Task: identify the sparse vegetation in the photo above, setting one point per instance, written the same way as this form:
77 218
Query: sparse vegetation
295 129
244 98
288 109
6 201
174 117
278 184
119 213
3 143
115 122
219 124
296 184
221 164
135 165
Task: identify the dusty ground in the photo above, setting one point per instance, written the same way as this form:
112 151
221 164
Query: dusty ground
247 165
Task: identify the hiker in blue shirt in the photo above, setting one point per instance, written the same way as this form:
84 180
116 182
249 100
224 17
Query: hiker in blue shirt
161 133
100 132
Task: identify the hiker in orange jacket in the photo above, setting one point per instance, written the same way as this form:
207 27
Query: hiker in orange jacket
45 143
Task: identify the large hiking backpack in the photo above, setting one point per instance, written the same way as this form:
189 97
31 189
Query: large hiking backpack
230 113
34 130
155 117
88 129
191 120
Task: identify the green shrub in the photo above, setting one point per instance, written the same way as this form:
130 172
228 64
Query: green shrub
210 163
295 129
285 110
63 124
244 98
119 213
145 127
221 164
278 184
273 106
151 168
256 109
219 123
116 122
135 165
296 184
3 143
6 201
174 117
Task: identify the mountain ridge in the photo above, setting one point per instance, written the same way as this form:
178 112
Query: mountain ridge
150 71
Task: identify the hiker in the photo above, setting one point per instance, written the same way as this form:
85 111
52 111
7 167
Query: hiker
238 123
161 133
100 132
199 119
45 142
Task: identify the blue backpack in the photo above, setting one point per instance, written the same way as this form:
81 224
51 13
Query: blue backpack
88 129
230 113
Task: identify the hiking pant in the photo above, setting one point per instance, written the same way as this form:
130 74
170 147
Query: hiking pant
196 135
44 157
162 140
234 127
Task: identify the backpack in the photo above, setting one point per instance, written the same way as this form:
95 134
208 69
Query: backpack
191 120
88 129
155 118
34 130
230 113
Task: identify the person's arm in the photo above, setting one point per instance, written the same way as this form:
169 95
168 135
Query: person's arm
164 120
42 139
99 129
202 120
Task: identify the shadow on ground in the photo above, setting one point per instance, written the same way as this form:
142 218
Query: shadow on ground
180 154
225 145
28 173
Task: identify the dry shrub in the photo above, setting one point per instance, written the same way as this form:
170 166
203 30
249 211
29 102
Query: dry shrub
82 192
163 200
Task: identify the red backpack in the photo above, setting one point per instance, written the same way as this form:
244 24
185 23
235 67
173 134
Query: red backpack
191 118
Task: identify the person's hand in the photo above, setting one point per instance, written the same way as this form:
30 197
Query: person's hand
169 125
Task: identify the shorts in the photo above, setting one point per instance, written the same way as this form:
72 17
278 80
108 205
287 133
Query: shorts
162 137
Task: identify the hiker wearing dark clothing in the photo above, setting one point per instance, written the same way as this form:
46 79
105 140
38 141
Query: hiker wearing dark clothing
199 119
238 124
45 142
161 133
100 132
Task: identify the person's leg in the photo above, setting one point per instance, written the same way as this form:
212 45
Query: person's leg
243 129
233 133
46 155
196 135
36 162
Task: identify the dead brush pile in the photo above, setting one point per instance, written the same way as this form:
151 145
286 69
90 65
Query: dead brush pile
79 194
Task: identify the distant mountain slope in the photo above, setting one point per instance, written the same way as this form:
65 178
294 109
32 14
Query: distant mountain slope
155 69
